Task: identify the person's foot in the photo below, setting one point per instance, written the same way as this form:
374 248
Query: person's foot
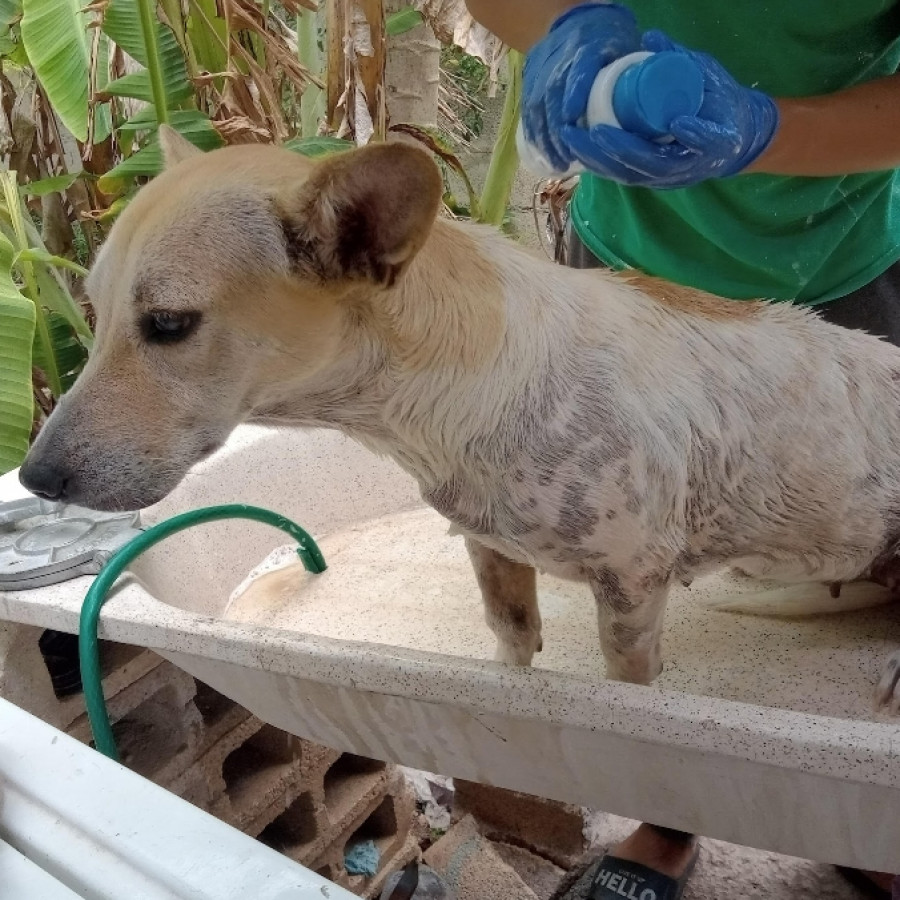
416 882
873 884
881 879
660 849
650 857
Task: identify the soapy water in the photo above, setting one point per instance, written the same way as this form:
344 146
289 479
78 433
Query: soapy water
279 558
402 581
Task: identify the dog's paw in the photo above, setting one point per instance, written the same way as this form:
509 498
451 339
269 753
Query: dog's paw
516 655
639 670
887 693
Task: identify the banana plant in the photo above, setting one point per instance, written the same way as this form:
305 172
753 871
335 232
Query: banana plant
56 40
163 82
504 157
67 45
44 336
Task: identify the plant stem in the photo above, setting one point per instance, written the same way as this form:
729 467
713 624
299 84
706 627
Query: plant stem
312 105
335 81
14 207
41 256
154 63
70 309
504 158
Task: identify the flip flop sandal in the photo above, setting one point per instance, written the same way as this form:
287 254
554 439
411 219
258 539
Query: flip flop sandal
416 882
863 883
621 878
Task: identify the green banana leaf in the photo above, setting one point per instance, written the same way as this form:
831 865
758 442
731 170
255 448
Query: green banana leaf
137 85
53 293
57 42
69 354
402 20
122 23
318 145
49 185
190 123
17 330
208 34
10 13
55 298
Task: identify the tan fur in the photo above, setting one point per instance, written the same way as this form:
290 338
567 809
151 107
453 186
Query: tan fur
689 300
468 328
612 429
175 148
509 592
357 212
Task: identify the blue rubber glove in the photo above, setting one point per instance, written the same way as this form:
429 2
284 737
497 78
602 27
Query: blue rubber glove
733 127
560 71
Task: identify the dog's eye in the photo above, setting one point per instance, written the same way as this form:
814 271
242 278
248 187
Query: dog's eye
168 327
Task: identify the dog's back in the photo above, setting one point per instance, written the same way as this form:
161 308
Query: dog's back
663 427
607 427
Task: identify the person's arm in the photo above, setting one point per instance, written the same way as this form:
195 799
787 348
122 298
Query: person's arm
854 130
739 129
519 23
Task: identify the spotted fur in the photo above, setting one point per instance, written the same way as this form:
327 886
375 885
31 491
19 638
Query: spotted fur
603 428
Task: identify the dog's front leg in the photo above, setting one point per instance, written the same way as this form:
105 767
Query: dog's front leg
887 694
630 613
509 591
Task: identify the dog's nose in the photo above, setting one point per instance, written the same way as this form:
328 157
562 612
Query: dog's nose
47 481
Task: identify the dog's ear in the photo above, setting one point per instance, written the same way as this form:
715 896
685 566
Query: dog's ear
175 148
363 214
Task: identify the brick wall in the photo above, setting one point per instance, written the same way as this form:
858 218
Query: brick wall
305 800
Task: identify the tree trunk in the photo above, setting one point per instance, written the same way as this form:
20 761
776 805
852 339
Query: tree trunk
356 58
413 73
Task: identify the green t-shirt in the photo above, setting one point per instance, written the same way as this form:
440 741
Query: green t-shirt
786 238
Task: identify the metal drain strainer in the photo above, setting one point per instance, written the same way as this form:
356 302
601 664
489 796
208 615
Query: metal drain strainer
43 543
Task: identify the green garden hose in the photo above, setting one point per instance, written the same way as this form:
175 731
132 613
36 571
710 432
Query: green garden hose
88 642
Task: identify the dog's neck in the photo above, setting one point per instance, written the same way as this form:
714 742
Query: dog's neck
447 364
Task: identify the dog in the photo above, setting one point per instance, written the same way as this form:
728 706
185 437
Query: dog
609 428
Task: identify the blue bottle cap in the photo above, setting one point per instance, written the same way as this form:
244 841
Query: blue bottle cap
649 95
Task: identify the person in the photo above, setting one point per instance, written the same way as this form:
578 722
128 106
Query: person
784 186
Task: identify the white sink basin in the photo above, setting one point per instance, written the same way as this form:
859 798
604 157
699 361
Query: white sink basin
759 731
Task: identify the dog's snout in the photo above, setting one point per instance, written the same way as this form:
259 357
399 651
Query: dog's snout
45 479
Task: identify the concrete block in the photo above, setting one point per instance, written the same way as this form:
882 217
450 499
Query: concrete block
380 809
260 776
24 679
129 682
542 876
408 851
388 825
472 867
304 799
313 834
546 827
351 783
163 726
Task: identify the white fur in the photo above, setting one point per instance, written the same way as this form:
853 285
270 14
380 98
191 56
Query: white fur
623 433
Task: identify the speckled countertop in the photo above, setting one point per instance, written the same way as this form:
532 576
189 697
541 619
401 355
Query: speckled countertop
407 622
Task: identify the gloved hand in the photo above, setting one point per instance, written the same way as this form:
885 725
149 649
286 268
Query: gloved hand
733 127
560 71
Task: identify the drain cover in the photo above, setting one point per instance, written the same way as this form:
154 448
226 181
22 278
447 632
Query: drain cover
43 543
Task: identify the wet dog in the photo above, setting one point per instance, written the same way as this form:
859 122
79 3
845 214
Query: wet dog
608 428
